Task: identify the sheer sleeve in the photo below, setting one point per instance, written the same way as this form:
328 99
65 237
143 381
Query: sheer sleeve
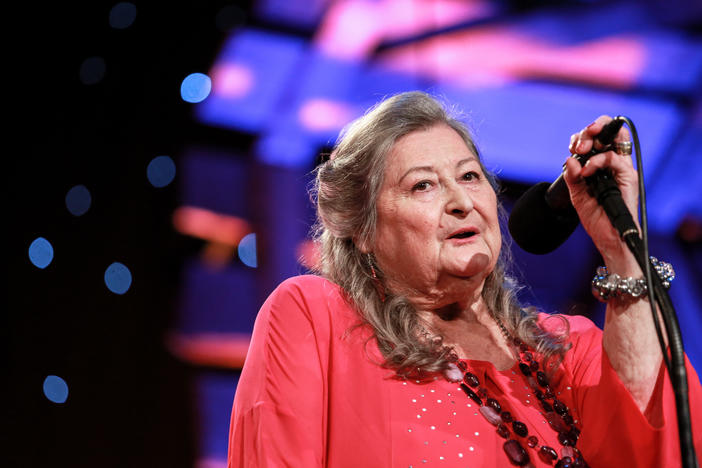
614 430
279 417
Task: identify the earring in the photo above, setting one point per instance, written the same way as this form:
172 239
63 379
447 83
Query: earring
372 268
380 289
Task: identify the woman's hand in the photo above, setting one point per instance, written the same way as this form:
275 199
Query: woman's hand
629 336
613 250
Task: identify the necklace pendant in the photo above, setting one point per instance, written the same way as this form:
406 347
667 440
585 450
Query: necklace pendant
556 422
471 379
547 454
526 370
520 428
516 453
471 394
556 412
568 452
559 407
453 373
492 416
532 382
503 431
532 441
542 379
495 405
565 439
546 405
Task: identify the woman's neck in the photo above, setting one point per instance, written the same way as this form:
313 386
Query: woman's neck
471 331
444 316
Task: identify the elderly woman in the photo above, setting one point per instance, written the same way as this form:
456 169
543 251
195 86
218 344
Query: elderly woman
409 347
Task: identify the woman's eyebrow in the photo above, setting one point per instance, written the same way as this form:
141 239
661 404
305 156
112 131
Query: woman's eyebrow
431 168
416 169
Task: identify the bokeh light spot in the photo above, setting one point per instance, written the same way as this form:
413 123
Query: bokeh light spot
92 70
55 389
308 254
41 253
247 250
118 278
232 80
122 15
324 114
161 171
195 87
78 200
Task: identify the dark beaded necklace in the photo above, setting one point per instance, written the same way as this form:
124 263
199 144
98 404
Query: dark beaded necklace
555 412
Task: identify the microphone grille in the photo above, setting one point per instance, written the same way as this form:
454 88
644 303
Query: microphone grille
536 227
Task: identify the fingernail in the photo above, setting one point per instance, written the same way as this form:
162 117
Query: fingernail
592 124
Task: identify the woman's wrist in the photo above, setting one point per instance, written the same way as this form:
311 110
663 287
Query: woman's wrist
622 262
608 284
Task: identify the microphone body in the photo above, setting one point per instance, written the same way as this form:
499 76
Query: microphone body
544 217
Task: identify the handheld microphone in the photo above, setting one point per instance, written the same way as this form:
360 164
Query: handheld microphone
544 217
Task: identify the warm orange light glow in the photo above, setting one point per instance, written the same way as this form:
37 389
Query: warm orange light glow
308 254
227 350
217 255
210 226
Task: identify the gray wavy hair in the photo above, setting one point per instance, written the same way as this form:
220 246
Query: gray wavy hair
345 190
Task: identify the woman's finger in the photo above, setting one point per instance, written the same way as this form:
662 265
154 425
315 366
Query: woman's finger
609 159
585 139
573 142
573 171
623 135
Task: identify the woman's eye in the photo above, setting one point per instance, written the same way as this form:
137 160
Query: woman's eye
471 175
421 186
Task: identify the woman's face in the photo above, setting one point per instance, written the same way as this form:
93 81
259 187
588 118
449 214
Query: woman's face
437 230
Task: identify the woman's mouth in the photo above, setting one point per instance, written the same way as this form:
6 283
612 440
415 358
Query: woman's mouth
465 234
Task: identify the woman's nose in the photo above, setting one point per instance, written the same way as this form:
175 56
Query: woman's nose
458 200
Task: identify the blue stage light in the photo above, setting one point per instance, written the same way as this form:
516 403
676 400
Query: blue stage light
195 87
55 389
247 250
41 253
161 171
92 70
78 200
118 278
122 15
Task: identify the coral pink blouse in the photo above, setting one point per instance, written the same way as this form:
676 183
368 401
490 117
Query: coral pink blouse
312 394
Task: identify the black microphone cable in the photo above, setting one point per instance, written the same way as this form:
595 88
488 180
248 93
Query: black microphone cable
656 293
643 213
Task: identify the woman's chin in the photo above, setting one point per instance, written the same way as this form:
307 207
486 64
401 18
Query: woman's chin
478 264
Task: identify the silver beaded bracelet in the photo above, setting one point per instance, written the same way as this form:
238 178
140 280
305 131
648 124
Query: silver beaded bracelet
606 285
